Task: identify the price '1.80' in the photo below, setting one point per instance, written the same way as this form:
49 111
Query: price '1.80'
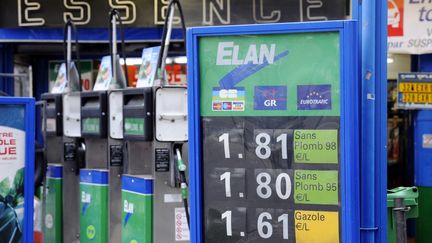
283 186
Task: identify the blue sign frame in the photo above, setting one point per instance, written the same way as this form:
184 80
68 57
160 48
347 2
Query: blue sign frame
349 118
29 128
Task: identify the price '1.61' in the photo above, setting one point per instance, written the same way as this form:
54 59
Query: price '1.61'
264 227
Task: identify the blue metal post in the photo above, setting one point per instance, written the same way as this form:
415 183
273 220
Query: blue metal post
372 16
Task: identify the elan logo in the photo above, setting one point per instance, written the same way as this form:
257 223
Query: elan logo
85 200
228 53
128 208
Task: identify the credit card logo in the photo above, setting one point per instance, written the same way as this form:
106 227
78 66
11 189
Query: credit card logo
228 99
270 98
314 97
227 106
238 106
217 106
234 94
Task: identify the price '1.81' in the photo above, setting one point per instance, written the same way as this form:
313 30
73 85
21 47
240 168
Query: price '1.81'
262 140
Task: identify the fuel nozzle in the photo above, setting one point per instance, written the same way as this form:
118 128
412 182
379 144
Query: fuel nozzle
183 183
182 171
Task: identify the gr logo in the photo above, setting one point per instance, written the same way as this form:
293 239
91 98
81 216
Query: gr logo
270 103
270 98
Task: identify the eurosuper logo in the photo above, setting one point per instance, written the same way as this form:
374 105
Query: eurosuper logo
314 97
270 98
228 54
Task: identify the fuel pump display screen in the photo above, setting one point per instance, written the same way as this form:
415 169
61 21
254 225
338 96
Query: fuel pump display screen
134 126
270 125
91 125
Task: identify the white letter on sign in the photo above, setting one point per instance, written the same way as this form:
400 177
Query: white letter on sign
84 12
127 6
274 16
27 21
224 50
267 54
219 8
315 4
161 12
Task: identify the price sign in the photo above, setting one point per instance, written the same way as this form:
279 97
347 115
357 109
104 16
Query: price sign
271 152
415 90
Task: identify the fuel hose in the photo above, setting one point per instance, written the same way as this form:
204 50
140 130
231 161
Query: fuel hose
183 184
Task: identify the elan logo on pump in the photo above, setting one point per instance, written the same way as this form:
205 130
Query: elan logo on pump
128 208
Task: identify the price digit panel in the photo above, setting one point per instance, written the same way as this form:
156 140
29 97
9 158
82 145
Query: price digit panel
271 179
273 157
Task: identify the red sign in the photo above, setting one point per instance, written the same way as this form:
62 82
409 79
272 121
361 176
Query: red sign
176 74
395 22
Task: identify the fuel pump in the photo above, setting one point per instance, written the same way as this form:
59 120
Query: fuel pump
60 223
100 181
115 138
155 131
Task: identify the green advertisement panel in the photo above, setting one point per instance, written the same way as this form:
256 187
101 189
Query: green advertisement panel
270 75
53 204
137 216
94 206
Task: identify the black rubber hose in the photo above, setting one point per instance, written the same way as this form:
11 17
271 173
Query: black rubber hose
68 24
186 205
183 183
165 28
114 13
40 165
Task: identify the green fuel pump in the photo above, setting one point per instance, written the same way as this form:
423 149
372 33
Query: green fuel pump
100 204
156 134
60 207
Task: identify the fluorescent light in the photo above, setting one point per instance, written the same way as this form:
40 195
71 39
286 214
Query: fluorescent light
180 60
390 60
169 60
130 61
